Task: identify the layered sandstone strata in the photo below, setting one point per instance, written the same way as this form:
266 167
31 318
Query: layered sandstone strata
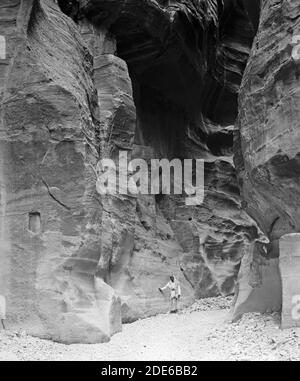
267 148
49 206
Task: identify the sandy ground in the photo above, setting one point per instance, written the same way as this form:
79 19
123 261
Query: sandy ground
198 333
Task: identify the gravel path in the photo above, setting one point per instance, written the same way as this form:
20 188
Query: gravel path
198 333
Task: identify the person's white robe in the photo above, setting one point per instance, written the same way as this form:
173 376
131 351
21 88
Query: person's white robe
174 287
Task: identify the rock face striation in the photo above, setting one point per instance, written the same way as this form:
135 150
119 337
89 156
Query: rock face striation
267 151
82 80
49 206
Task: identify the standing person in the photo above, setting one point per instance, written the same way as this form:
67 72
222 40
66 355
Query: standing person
2 310
175 289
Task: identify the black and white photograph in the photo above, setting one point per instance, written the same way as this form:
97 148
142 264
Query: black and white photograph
149 183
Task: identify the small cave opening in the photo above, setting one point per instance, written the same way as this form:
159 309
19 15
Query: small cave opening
182 69
34 224
71 8
220 144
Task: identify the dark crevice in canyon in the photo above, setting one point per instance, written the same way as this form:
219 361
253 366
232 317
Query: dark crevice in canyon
185 62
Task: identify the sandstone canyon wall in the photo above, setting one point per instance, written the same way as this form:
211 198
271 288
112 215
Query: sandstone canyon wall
85 79
267 150
49 207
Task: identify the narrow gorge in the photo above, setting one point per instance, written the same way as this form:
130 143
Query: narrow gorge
82 80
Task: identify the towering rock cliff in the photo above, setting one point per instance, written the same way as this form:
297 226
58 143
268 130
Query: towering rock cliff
50 131
83 80
267 150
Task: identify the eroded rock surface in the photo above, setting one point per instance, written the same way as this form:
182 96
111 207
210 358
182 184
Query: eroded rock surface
49 205
267 145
